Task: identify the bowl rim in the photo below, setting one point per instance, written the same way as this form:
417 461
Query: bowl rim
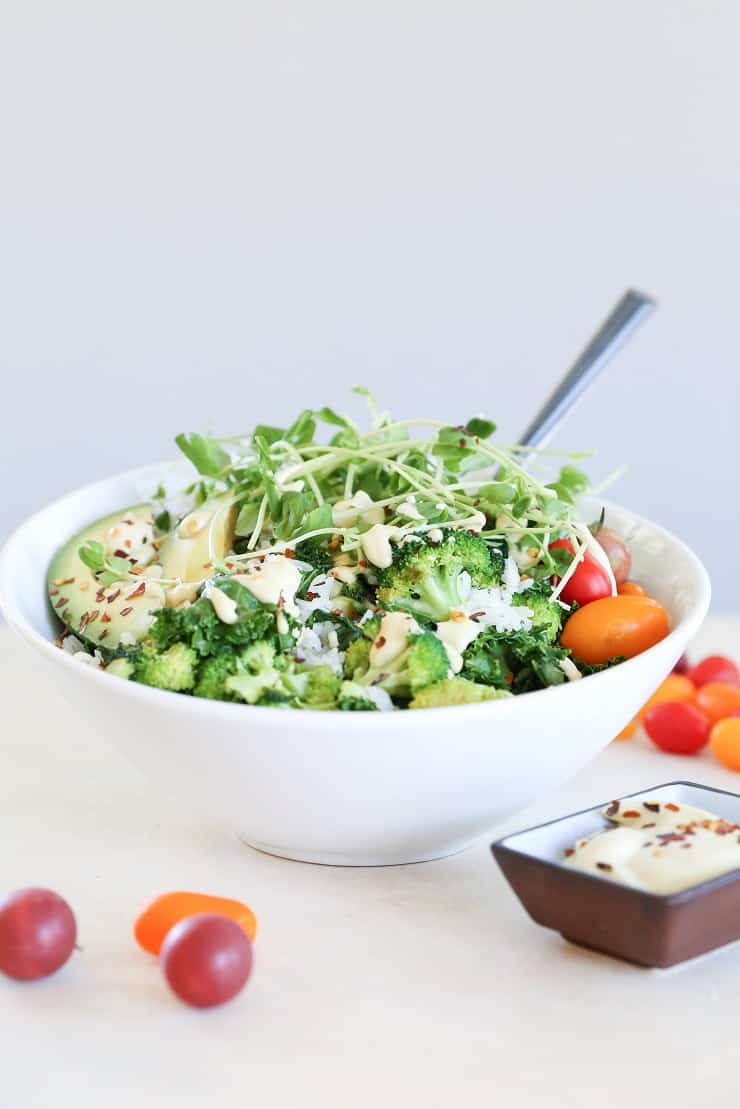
335 721
504 847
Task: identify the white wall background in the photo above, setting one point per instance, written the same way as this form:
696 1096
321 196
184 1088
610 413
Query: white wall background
213 212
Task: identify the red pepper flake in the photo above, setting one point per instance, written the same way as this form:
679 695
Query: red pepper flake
103 633
477 615
685 845
58 641
229 565
671 807
613 808
605 866
66 581
651 806
66 616
138 592
106 618
100 596
631 814
463 442
288 552
84 621
127 544
120 554
125 611
652 824
53 592
207 565
380 641
114 594
94 615
129 522
569 851
61 601
363 563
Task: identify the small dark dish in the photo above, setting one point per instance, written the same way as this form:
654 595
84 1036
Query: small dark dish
653 930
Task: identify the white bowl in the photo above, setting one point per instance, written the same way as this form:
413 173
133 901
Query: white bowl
351 788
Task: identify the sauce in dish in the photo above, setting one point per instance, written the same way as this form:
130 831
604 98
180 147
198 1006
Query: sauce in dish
658 846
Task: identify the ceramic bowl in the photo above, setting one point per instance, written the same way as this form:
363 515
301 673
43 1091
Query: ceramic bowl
654 930
350 788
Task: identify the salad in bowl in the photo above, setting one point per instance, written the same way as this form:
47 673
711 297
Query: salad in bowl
411 565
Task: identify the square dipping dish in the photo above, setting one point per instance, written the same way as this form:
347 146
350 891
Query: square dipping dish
653 930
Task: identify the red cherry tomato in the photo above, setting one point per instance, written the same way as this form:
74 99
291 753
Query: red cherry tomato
677 727
617 551
614 626
206 959
589 582
715 668
683 666
37 934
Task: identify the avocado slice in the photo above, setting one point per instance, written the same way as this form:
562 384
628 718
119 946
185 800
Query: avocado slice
203 536
102 614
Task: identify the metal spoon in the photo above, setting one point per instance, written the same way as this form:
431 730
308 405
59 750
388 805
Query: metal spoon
626 317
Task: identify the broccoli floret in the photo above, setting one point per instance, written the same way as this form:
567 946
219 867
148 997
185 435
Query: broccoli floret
357 657
212 677
454 691
352 698
321 689
173 669
423 662
547 615
255 673
426 578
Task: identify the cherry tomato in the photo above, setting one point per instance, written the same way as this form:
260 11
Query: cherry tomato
683 666
676 687
166 911
37 933
617 551
715 668
588 583
206 959
631 589
724 739
718 700
615 626
678 727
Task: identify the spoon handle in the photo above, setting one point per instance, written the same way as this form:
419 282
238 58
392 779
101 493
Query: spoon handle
626 317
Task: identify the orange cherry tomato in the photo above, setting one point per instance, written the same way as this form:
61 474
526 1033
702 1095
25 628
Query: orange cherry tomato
615 626
151 928
676 687
724 739
628 730
718 700
631 589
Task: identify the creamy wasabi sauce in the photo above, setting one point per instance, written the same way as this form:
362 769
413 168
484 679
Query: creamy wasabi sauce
360 507
395 628
456 634
376 544
223 605
658 846
273 581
